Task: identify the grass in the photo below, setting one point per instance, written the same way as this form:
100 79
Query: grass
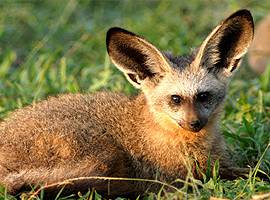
51 47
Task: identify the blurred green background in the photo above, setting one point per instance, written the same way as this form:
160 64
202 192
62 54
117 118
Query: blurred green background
56 46
47 47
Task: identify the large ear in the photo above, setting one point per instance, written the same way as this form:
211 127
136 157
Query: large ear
225 46
137 58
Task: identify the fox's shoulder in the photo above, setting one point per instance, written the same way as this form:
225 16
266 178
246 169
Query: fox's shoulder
69 111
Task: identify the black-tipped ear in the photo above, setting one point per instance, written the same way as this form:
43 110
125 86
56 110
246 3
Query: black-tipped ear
133 55
224 48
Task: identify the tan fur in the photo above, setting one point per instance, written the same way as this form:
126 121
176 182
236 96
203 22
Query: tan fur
108 134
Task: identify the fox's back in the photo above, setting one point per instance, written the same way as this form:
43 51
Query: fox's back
63 129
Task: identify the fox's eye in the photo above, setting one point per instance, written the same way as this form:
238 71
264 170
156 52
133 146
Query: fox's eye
203 97
176 99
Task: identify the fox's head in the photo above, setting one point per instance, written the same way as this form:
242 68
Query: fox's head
185 89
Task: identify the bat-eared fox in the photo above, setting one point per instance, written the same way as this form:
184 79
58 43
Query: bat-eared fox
168 131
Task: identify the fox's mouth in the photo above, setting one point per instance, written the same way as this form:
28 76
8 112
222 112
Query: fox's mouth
195 129
193 126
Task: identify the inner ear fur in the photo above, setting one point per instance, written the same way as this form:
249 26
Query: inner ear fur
224 48
133 55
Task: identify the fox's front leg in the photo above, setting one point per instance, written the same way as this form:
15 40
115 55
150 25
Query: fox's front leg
236 172
231 173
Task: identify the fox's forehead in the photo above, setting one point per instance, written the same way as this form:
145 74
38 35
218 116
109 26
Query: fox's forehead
188 82
187 78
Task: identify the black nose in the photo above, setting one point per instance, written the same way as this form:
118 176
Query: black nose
196 125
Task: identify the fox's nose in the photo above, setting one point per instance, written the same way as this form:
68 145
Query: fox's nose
195 125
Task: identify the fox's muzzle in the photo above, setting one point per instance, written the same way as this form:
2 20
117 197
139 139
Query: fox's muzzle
194 126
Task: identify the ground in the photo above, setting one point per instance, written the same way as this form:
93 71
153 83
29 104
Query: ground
51 47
